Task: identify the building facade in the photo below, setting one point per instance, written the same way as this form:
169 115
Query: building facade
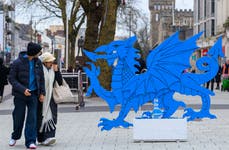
209 16
7 39
165 20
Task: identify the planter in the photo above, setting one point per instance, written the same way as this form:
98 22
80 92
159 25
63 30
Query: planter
160 129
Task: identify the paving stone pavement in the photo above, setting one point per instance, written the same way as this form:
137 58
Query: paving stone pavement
78 130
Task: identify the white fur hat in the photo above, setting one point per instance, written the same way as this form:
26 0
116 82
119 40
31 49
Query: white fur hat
47 57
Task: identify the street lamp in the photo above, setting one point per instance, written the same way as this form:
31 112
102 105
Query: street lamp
66 38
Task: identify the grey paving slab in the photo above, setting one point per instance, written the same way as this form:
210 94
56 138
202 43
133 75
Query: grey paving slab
79 131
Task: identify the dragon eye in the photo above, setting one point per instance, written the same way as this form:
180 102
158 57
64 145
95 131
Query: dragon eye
114 52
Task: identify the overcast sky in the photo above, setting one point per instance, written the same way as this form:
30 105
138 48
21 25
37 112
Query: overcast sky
143 4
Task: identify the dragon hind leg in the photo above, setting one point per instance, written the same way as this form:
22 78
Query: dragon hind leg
203 113
169 104
107 124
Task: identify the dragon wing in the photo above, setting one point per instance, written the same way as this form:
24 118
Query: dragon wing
167 61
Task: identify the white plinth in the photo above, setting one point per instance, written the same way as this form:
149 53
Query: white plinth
160 129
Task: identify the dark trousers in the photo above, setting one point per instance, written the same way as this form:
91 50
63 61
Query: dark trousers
1 90
20 103
212 84
42 136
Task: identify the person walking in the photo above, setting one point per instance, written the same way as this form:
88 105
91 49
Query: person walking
27 79
4 71
47 111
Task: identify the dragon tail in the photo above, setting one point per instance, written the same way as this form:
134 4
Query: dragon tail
209 64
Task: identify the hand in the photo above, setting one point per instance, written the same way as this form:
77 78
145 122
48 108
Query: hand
55 67
27 92
41 98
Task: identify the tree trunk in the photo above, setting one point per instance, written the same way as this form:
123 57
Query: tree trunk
93 13
105 16
107 33
72 43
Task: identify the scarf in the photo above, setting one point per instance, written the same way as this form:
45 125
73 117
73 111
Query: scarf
47 120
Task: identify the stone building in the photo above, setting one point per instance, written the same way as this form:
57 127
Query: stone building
165 20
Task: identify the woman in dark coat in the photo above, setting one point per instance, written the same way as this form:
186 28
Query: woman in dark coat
4 71
47 111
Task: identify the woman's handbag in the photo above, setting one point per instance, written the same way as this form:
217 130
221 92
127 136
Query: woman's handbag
62 93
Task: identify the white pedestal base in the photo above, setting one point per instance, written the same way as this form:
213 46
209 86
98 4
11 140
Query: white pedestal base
160 130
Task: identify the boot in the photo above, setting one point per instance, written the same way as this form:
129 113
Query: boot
1 99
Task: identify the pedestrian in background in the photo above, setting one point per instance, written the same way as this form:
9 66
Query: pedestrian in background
225 69
80 45
225 76
218 78
47 111
4 71
27 80
212 84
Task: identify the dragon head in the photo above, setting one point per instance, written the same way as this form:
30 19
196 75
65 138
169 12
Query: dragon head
116 51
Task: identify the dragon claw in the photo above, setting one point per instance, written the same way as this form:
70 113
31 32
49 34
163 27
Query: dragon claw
192 115
107 124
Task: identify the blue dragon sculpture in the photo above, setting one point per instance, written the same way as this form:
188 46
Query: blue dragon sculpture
164 76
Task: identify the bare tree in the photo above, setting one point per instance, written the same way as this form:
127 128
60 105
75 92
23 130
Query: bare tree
100 29
60 9
144 37
135 22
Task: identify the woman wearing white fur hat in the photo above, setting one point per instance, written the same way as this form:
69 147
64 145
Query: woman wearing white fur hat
47 111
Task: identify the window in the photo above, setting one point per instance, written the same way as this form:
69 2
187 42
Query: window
212 6
156 17
213 27
198 9
205 8
159 7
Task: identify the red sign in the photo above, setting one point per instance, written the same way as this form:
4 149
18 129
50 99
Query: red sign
204 52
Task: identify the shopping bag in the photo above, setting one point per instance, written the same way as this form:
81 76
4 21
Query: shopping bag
61 93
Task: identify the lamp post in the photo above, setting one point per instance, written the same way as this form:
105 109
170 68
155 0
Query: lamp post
66 45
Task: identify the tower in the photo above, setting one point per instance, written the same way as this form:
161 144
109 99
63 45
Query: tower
160 9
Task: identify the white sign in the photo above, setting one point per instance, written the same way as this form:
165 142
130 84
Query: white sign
1 31
160 129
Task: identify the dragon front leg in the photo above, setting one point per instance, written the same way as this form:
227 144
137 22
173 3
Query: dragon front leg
203 113
107 124
92 75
